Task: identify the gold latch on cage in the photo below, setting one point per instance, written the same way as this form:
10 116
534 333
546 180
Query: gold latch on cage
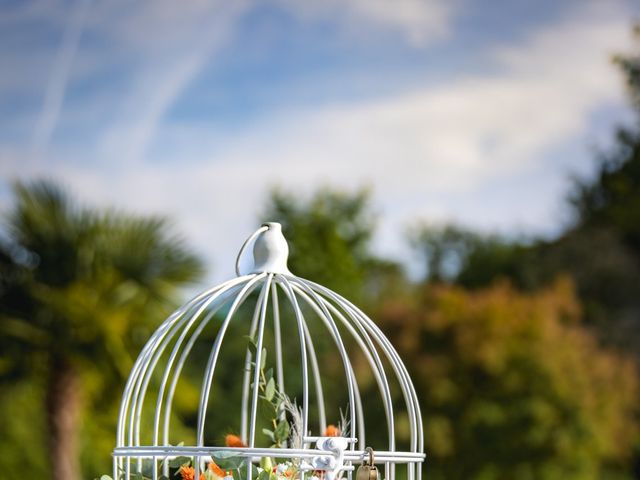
367 471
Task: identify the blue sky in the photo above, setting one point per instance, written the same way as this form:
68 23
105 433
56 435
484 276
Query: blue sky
468 111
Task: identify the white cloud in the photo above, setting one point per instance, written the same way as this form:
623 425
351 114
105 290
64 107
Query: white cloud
418 149
420 21
445 141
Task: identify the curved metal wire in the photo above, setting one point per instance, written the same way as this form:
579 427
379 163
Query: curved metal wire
263 228
161 363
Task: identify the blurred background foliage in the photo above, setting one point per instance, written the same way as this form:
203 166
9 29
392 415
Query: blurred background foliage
524 352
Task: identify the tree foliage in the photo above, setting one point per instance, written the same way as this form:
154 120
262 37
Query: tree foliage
600 250
453 254
512 386
80 290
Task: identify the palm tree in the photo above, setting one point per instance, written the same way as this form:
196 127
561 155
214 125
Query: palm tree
75 286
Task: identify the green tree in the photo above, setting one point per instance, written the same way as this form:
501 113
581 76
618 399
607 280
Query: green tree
512 386
453 254
79 290
600 250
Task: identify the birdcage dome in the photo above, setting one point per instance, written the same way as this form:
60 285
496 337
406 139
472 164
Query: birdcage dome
291 381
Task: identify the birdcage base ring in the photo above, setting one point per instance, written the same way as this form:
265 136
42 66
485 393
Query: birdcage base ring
256 453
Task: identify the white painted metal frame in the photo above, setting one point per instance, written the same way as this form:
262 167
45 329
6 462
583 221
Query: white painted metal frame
271 278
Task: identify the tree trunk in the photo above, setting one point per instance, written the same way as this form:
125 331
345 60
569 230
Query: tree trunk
63 415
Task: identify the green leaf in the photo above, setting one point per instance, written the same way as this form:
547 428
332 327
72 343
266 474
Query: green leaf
270 390
263 359
264 475
238 475
282 431
227 460
179 461
268 374
268 433
147 468
241 473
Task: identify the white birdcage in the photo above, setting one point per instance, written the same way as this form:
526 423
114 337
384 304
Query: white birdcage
273 314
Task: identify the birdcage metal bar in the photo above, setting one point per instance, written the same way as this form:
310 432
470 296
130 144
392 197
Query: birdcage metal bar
246 374
314 363
256 377
142 363
317 379
277 335
331 326
177 349
181 361
254 235
172 451
315 371
327 324
369 350
303 353
175 373
373 359
326 317
413 409
213 357
145 376
135 371
159 350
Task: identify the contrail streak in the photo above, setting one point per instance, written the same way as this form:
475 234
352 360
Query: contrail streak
56 86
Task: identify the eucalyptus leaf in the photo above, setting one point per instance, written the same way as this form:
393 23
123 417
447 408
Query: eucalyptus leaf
270 390
147 468
282 431
263 359
179 461
227 460
268 433
237 475
241 473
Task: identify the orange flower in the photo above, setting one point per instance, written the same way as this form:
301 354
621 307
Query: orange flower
332 431
231 440
189 473
216 469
